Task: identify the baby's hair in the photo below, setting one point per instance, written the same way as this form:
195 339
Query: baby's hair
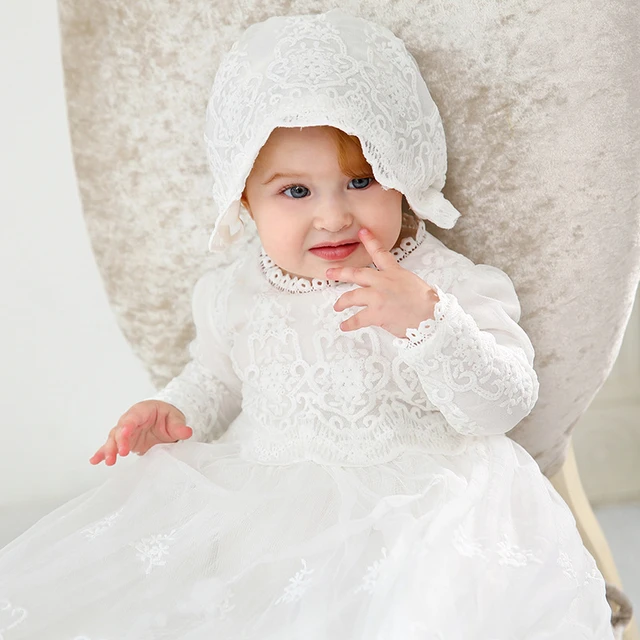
350 157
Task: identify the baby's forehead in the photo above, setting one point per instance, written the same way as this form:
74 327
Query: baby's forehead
299 135
287 147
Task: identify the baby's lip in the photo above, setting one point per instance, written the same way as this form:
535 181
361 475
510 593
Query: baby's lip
335 244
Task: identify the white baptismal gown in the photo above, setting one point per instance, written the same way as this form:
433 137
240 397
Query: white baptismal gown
338 486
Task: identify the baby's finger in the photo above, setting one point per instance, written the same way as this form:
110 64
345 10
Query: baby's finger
359 320
355 298
363 276
382 258
181 433
123 437
98 456
110 451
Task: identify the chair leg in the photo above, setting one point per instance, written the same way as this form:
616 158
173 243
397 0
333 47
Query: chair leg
567 483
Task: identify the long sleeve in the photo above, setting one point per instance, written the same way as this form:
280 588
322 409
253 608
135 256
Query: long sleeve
473 359
207 390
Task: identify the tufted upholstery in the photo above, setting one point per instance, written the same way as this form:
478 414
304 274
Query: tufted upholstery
540 105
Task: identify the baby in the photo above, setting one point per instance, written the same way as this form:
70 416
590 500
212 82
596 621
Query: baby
332 461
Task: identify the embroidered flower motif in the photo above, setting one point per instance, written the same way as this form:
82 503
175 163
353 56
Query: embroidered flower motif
225 606
101 526
513 555
299 584
152 549
10 616
594 574
465 544
345 380
272 380
373 572
504 550
564 562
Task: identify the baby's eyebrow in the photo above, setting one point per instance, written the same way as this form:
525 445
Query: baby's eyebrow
287 174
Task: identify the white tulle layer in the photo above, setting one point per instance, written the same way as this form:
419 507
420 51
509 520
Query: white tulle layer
193 542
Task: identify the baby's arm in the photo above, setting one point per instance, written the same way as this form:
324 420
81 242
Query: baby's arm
207 391
474 361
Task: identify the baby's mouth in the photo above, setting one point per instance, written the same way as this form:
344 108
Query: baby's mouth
335 253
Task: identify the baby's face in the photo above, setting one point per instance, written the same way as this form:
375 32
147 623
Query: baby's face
314 203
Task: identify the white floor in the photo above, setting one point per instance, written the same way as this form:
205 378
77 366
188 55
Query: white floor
620 523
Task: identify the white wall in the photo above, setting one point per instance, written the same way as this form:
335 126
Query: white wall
66 372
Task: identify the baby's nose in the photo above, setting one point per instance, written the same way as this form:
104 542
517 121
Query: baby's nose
335 219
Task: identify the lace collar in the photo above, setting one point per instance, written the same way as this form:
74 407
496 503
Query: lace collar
297 284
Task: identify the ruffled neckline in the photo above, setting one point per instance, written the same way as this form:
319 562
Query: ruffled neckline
296 284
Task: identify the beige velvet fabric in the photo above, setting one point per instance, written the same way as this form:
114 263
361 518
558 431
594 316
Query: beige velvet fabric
540 106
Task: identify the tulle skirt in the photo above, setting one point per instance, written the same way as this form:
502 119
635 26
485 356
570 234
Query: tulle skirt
193 542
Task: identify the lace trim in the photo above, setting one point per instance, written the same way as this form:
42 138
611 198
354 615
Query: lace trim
297 284
427 328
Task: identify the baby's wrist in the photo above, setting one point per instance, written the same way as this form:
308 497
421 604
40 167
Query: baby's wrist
429 300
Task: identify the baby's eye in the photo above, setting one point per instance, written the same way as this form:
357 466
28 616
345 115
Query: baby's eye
298 191
295 187
360 181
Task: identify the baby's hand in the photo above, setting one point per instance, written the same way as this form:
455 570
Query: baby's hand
146 423
395 298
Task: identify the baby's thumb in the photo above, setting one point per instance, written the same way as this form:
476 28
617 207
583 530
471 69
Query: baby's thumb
186 432
180 432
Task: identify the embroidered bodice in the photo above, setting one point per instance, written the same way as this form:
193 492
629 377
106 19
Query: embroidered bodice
271 368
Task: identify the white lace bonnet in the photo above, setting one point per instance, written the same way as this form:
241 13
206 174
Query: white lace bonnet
325 69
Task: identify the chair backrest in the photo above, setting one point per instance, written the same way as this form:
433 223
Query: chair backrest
540 106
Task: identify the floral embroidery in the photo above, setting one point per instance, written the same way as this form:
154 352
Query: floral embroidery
299 584
504 550
225 606
10 616
371 576
514 556
564 562
152 549
101 526
593 574
465 544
